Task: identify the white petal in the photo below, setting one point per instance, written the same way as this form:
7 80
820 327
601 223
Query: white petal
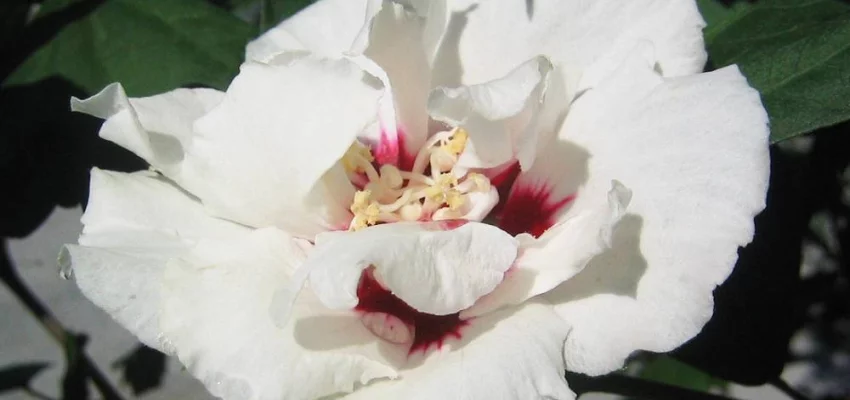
434 271
507 355
495 37
694 150
327 27
497 114
127 285
558 255
267 156
133 224
156 128
216 316
397 45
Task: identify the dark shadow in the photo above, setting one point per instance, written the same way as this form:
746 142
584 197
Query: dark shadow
46 152
448 68
142 368
529 9
755 310
344 331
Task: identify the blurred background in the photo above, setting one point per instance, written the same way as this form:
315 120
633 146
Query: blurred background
781 328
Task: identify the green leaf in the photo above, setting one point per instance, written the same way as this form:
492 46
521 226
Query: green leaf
713 11
149 46
667 370
797 54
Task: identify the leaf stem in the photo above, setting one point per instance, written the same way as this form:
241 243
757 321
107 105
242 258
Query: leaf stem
786 389
53 326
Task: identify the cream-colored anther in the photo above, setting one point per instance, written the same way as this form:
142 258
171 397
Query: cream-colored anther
365 210
457 142
423 157
354 158
442 185
474 182
391 177
442 160
410 211
455 199
443 191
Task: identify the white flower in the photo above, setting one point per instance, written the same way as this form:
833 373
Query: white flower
430 200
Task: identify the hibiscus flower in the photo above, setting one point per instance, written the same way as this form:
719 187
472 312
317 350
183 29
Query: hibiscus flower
428 199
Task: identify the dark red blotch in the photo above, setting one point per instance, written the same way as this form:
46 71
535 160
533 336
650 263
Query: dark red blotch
430 330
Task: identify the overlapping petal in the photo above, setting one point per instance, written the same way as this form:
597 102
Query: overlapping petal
328 27
200 288
500 116
510 354
396 50
125 244
216 316
433 270
690 211
493 37
267 156
264 153
156 128
560 253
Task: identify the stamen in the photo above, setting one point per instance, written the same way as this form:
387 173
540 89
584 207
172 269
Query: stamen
366 212
391 176
442 161
391 195
454 199
411 211
422 157
401 201
476 182
442 185
354 157
414 177
457 143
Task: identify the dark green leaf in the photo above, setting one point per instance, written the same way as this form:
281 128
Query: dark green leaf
268 13
19 376
713 11
797 54
149 46
670 371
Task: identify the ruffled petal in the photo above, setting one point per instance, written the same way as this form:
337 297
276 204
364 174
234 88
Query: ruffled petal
267 156
559 254
488 39
216 317
500 116
694 151
507 355
156 128
134 223
200 288
433 270
327 27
